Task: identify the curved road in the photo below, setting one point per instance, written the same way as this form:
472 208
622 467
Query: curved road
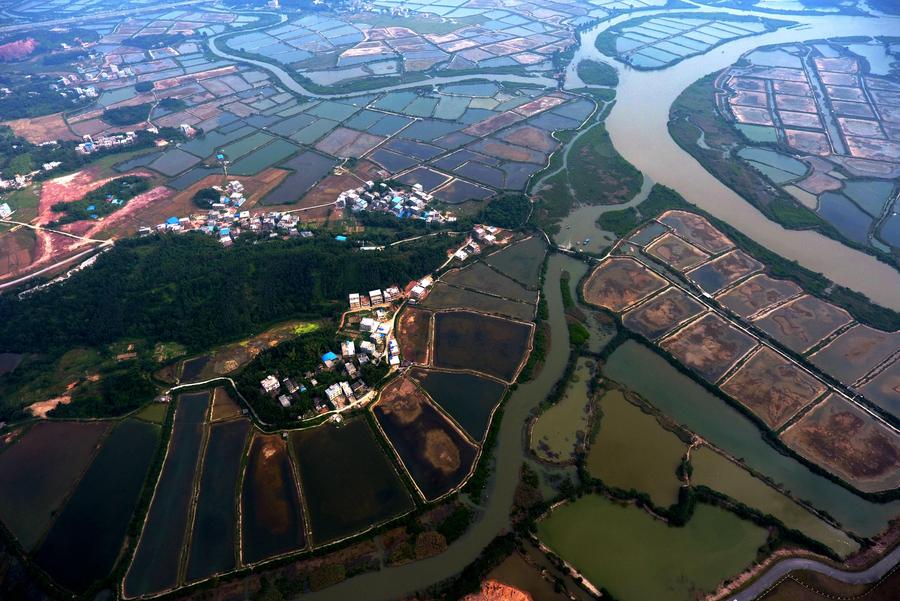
776 573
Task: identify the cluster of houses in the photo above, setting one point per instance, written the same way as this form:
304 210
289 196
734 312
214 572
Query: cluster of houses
21 180
225 219
403 204
338 395
92 144
482 235
374 298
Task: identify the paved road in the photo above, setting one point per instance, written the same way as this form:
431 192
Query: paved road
776 573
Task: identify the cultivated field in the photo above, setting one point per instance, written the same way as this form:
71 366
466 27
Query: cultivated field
676 253
724 270
472 341
413 335
801 323
709 345
696 230
848 442
757 294
619 283
436 455
856 352
662 313
772 387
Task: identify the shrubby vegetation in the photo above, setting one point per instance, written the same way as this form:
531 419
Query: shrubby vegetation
619 222
34 97
143 86
508 211
127 115
159 40
118 391
205 197
100 202
597 73
189 289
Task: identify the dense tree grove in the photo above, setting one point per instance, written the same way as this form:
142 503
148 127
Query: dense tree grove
104 200
127 115
190 289
509 211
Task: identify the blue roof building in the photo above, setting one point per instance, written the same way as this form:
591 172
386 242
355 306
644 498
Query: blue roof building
329 356
172 220
341 238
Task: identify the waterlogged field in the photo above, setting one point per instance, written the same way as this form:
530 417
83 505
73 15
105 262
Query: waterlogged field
413 335
662 313
639 368
445 296
521 261
272 521
436 455
560 430
212 549
479 276
638 557
224 405
467 398
849 442
100 509
368 491
718 473
158 556
481 343
631 450
710 346
619 283
773 387
38 472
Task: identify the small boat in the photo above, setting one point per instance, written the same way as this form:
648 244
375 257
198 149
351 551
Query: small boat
586 241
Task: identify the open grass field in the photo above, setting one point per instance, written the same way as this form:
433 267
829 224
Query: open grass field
620 282
712 470
848 442
696 230
272 521
802 323
154 567
774 388
632 450
414 334
436 455
757 294
212 545
467 398
662 313
710 346
471 341
38 472
560 431
84 542
369 490
643 558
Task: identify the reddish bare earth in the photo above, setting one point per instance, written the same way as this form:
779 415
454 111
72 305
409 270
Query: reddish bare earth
16 51
491 590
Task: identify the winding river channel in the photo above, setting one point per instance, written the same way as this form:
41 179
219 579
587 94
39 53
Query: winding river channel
638 127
